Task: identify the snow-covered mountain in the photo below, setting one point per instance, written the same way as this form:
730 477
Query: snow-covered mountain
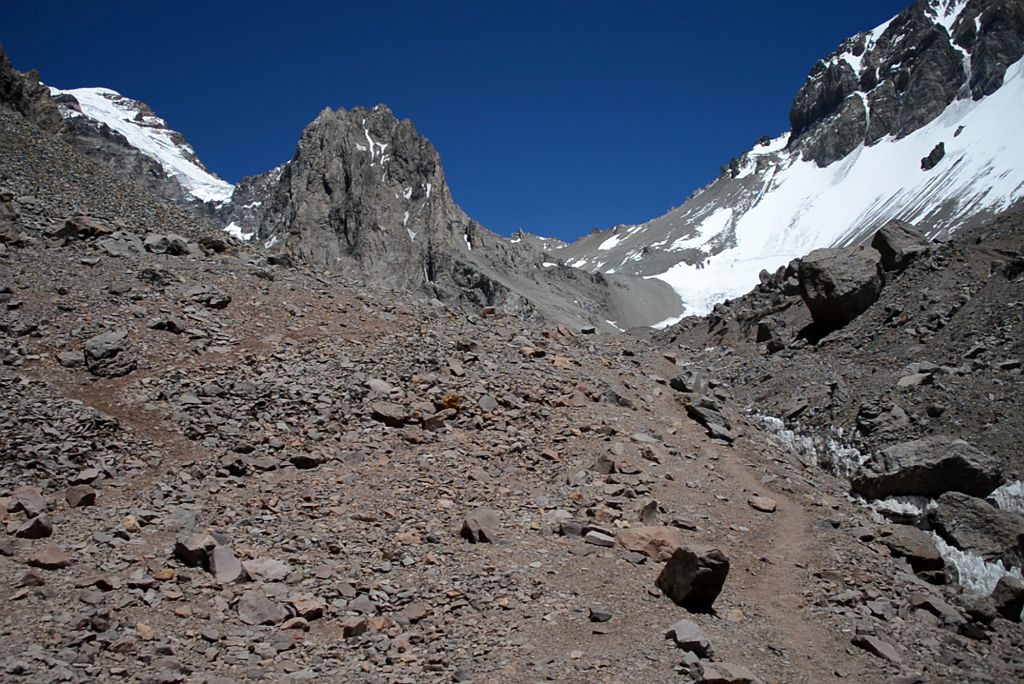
917 119
102 114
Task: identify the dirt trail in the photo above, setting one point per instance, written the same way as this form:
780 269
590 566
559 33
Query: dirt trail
789 547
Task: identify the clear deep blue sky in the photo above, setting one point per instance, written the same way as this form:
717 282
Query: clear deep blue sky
557 117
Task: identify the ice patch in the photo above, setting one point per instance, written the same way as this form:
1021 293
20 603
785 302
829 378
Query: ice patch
823 451
412 234
976 573
1010 497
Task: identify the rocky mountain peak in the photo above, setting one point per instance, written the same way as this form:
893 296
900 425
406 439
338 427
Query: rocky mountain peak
896 78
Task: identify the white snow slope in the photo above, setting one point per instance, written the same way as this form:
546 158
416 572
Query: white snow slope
150 135
804 207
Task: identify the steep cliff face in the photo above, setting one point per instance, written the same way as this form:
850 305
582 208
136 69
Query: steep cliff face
915 120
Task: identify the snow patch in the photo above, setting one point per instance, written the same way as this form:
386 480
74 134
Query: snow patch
1009 497
238 232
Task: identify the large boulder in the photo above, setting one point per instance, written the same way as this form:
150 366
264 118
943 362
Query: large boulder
899 243
928 467
694 577
972 524
840 284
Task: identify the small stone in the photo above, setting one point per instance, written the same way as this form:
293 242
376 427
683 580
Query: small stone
28 499
416 611
38 527
763 504
599 539
352 627
194 550
480 526
694 577
1008 598
79 496
309 608
690 637
145 632
599 614
225 566
657 543
254 608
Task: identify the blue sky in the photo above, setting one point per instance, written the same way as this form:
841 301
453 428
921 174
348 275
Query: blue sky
558 117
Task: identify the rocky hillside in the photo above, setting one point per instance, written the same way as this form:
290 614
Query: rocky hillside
216 467
913 120
222 465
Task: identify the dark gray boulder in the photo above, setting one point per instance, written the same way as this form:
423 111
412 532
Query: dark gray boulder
840 284
899 243
928 467
916 546
972 524
694 576
1008 598
105 355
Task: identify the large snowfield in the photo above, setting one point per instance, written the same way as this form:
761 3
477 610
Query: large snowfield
805 207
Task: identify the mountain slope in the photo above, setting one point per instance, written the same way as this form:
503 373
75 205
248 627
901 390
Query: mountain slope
113 127
914 120
365 194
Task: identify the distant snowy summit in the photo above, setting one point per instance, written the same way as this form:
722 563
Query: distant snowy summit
104 119
917 119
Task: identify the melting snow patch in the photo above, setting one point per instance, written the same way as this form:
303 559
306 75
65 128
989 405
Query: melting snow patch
238 232
1010 497
899 507
826 452
469 245
976 573
271 242
412 234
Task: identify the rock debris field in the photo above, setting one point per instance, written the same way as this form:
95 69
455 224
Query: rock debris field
216 467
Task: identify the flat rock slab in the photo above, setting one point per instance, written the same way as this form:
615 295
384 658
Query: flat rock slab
877 647
727 673
254 608
656 542
688 636
50 557
763 504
